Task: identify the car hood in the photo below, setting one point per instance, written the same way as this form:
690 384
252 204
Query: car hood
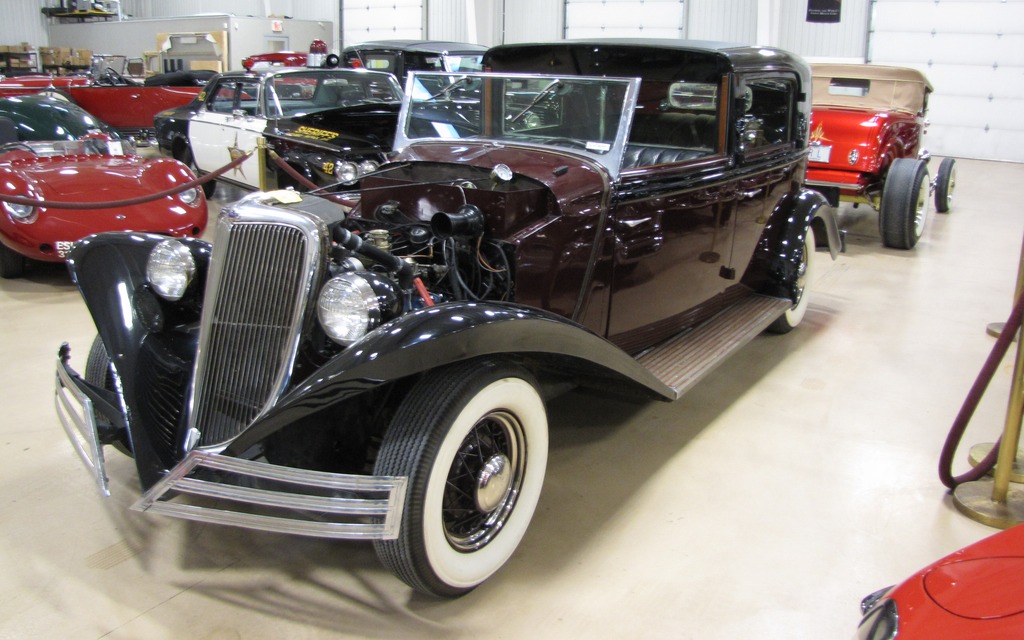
359 128
97 178
982 582
846 130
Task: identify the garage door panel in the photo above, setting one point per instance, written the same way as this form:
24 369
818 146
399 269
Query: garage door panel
382 20
611 18
957 17
972 142
994 114
972 49
979 82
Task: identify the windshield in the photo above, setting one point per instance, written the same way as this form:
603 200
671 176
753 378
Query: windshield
292 94
588 116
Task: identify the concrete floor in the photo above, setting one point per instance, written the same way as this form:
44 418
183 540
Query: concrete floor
800 476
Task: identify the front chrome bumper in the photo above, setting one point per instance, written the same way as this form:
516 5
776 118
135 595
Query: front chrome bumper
245 493
75 411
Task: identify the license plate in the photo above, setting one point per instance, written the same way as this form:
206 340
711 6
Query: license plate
820 153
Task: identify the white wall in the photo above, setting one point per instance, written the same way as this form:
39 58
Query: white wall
722 20
23 22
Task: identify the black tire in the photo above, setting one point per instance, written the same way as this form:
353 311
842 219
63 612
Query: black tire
12 263
183 154
99 373
904 204
945 184
460 427
795 314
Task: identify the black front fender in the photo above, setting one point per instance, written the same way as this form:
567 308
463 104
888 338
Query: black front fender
110 272
424 340
776 262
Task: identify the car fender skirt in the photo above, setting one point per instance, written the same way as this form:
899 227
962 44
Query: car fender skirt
430 338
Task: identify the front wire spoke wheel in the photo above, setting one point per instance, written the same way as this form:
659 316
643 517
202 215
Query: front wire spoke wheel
472 440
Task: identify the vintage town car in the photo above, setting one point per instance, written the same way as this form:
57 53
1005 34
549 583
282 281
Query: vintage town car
328 125
867 125
379 371
81 174
973 593
122 103
400 57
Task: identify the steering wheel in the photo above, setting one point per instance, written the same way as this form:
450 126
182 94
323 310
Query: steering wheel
115 78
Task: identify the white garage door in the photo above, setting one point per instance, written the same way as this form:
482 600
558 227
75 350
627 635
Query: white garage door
624 18
364 20
973 53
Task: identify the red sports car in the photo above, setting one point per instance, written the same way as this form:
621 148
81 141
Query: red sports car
84 172
867 123
975 593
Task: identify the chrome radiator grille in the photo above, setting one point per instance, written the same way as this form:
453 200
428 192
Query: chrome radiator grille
261 278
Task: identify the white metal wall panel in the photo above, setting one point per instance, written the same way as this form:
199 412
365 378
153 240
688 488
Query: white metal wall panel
722 20
973 53
533 21
844 40
364 20
23 22
624 18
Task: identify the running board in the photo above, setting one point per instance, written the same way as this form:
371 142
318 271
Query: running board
682 361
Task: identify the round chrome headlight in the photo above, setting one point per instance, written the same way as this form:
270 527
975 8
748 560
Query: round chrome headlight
347 171
348 308
170 268
189 196
19 211
367 166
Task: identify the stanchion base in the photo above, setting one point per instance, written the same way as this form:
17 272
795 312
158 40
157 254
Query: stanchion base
996 328
979 451
974 500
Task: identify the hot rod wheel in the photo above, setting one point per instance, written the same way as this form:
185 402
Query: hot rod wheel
904 210
472 438
945 184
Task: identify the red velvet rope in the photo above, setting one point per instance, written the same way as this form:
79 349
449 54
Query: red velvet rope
956 432
129 201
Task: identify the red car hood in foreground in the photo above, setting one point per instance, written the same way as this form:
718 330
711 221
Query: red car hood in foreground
975 593
48 233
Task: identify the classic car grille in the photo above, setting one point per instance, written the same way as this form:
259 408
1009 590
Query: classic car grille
166 380
262 271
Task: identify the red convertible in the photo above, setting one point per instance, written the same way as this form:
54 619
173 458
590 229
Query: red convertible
867 123
118 101
85 172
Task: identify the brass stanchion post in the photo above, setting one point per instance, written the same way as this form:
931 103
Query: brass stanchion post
991 501
261 161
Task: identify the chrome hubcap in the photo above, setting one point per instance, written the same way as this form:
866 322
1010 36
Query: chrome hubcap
493 483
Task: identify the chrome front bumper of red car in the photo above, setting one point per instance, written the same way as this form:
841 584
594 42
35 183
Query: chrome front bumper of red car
210 487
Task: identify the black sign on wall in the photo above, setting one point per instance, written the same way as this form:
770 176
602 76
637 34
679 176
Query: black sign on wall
823 10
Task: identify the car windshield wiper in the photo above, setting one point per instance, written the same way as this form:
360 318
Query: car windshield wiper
449 87
545 92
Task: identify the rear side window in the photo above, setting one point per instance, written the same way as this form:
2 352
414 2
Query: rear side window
766 107
856 87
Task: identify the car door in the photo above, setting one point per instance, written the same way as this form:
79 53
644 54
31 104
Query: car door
228 126
674 219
